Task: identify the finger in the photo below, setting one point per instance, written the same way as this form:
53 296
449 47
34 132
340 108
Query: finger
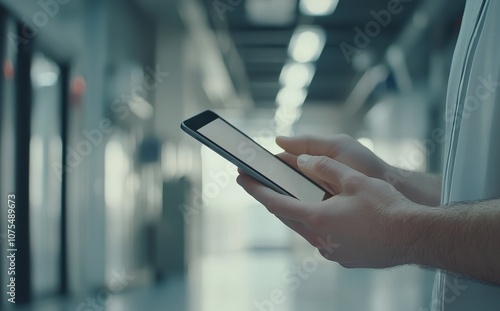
302 230
290 159
296 226
327 254
311 145
278 204
332 172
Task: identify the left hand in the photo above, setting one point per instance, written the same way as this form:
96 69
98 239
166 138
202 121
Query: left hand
366 224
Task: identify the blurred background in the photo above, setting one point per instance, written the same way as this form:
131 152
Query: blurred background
117 209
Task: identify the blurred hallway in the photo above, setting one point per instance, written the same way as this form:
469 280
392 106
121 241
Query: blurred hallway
114 203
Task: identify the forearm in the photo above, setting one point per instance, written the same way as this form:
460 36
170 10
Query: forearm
463 239
419 187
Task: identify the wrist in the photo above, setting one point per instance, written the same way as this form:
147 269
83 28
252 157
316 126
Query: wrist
413 231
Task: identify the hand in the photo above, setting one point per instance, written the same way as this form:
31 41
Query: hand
341 148
364 225
418 187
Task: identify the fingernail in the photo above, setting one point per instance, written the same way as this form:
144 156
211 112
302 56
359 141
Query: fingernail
303 158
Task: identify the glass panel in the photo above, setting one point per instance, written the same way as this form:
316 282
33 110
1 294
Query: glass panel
45 178
7 139
119 189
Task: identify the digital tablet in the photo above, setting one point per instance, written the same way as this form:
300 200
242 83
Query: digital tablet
256 161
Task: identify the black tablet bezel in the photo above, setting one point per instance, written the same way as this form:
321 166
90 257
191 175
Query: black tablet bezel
204 118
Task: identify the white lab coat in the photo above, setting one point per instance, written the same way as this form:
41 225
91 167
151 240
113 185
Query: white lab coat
472 146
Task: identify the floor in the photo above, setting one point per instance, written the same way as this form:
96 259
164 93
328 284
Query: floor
168 295
267 281
241 258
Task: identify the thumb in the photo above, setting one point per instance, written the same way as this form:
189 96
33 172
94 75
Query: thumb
327 170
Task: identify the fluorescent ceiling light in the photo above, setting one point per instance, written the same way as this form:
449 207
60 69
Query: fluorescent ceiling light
318 7
297 75
306 44
291 97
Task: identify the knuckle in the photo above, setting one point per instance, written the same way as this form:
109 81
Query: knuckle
315 220
313 240
353 183
344 137
347 265
338 143
306 137
322 163
270 207
327 255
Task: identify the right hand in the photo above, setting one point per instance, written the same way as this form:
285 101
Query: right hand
367 224
341 148
418 187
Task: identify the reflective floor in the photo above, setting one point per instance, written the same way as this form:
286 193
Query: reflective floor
245 259
269 280
280 280
168 295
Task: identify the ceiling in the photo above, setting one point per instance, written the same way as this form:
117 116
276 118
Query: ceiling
264 48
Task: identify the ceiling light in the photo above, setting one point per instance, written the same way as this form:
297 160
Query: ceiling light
291 97
318 7
297 75
306 44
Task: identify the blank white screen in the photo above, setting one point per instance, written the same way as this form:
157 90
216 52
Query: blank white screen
262 161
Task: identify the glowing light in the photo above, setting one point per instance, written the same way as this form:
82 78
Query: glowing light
46 78
141 107
116 167
291 97
318 7
297 75
306 44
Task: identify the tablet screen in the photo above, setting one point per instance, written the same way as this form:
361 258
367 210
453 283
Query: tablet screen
255 156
